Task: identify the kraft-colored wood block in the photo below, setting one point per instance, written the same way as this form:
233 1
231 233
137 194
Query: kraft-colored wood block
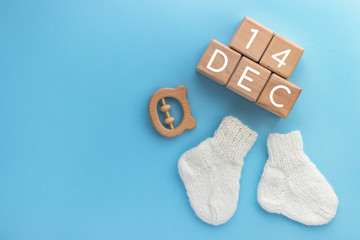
251 39
279 96
281 56
218 62
248 79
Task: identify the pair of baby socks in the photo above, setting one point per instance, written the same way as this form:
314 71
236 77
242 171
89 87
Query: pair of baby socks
290 184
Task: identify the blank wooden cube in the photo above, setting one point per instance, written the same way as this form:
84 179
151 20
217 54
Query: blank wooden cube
248 79
281 56
279 96
251 39
218 62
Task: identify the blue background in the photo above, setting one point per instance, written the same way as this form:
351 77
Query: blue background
79 156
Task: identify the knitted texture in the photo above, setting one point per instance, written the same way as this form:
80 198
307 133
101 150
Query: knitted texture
292 185
211 171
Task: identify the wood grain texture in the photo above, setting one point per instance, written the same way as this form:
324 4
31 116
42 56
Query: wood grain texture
187 122
244 34
218 62
248 75
277 45
279 91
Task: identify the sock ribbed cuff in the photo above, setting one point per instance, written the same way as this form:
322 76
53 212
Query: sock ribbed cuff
234 138
283 147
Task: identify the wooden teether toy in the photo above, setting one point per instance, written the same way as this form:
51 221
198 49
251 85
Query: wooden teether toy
187 122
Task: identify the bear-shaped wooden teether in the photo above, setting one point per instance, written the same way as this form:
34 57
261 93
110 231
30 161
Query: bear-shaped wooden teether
187 122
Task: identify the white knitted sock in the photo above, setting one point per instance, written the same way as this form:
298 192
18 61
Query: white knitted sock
212 170
292 185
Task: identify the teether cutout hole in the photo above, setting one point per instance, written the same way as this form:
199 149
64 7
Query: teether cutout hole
175 111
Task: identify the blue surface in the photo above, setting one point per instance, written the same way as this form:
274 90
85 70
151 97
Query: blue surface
79 156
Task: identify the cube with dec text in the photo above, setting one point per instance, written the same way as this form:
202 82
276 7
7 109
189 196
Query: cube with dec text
218 62
279 96
248 79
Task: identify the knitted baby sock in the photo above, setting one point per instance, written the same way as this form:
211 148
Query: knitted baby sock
212 170
292 185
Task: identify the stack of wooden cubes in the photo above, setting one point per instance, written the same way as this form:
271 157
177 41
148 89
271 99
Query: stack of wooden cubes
255 65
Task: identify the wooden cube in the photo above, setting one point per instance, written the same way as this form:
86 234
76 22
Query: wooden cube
279 96
248 79
281 56
218 62
251 39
